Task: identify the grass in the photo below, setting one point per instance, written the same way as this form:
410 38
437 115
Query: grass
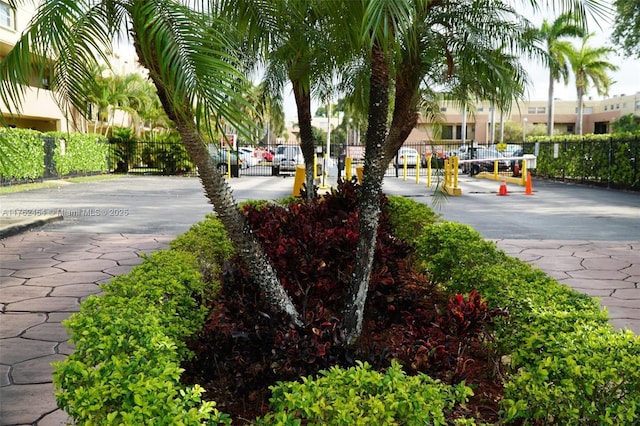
12 189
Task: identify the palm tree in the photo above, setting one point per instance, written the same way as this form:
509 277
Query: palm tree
289 46
192 60
590 67
557 49
402 53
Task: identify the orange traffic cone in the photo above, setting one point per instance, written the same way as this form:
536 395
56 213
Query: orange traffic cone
527 189
503 187
516 169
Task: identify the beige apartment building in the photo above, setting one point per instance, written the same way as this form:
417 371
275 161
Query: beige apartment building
597 118
39 110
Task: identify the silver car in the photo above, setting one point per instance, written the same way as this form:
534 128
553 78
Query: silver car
287 157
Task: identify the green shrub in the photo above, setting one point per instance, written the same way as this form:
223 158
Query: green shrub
589 377
408 217
208 241
360 396
565 364
82 153
451 253
24 154
171 281
128 347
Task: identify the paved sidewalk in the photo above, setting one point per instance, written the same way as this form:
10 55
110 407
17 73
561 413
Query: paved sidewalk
606 270
43 278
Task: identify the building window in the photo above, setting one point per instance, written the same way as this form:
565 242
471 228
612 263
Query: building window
605 107
570 129
480 109
531 110
447 132
617 106
6 16
443 109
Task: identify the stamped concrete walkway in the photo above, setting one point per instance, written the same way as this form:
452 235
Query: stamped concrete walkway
43 279
606 270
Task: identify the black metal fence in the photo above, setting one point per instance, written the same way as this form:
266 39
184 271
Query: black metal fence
609 162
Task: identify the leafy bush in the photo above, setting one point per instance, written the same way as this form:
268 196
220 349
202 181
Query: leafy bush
128 347
588 377
565 363
361 396
82 153
208 241
24 154
409 217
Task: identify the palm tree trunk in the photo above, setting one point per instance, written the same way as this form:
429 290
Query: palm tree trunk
580 112
303 104
241 235
220 196
369 197
550 107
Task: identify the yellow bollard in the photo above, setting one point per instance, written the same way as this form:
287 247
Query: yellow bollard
429 171
315 166
455 172
347 168
404 168
360 173
523 170
450 179
495 169
298 181
229 163
418 171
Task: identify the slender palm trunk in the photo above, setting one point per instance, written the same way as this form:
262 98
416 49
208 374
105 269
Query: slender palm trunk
220 196
303 103
580 112
550 107
369 197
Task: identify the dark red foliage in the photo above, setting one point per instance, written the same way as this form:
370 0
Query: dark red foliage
246 346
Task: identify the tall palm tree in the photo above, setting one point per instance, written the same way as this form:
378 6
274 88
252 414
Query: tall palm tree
404 51
590 67
283 36
192 59
557 49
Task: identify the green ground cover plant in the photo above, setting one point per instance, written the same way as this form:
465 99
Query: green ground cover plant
142 347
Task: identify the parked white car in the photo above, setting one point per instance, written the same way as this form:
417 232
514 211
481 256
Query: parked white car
287 157
410 155
248 157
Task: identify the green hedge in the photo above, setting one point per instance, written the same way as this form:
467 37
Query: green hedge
83 153
360 396
23 154
128 347
566 364
599 159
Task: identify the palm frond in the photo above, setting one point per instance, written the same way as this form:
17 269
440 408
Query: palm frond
195 59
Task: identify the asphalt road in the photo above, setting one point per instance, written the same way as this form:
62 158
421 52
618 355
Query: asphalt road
555 211
170 205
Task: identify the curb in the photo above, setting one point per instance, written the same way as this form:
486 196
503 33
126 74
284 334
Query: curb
10 226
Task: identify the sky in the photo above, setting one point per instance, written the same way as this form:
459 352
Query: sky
626 79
